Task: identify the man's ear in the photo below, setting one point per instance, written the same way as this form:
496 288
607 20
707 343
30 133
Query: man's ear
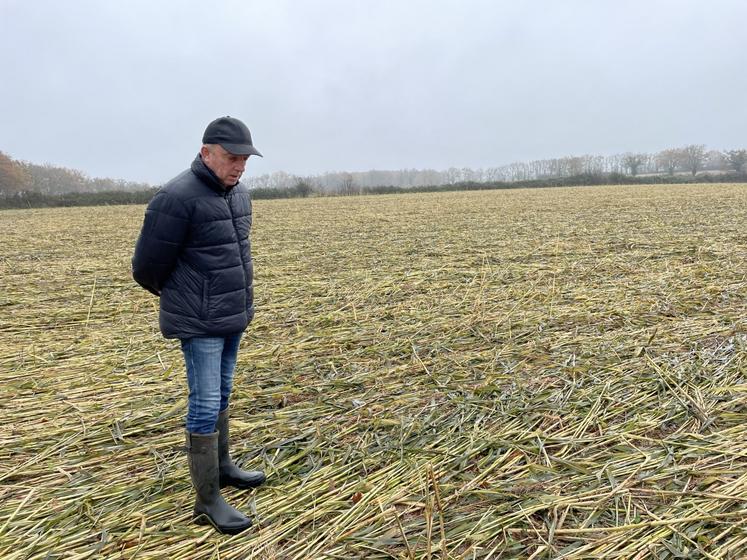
204 151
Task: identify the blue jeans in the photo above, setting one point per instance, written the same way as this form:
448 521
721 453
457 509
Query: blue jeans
210 364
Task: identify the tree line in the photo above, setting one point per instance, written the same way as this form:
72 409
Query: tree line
24 184
692 159
23 177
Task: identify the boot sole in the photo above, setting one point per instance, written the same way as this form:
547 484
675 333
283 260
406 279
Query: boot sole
205 519
241 485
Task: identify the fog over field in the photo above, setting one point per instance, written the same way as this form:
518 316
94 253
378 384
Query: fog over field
124 90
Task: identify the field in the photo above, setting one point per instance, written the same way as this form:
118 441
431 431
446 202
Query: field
549 373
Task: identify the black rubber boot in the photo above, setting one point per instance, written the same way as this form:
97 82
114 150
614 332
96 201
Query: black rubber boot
210 507
230 474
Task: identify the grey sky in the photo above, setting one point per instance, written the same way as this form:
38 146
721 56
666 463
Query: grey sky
125 89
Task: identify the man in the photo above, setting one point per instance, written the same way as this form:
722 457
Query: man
194 253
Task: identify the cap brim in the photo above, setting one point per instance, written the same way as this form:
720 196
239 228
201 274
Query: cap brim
242 150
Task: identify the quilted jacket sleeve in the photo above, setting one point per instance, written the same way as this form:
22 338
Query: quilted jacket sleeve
157 249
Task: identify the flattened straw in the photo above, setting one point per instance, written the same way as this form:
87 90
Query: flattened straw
664 522
576 366
401 528
90 303
19 508
440 510
428 512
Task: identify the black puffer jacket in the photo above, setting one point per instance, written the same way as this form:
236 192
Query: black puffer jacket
194 251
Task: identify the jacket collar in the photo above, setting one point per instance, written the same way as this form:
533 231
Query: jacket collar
207 176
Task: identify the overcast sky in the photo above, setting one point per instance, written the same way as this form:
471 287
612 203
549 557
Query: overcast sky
125 89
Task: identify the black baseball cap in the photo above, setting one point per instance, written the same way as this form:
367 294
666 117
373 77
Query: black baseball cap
232 134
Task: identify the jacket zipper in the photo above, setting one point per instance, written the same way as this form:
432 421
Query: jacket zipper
228 196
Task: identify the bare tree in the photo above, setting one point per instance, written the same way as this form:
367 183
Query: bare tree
13 178
347 185
50 179
633 162
303 188
453 175
669 159
572 165
693 157
714 161
615 163
736 159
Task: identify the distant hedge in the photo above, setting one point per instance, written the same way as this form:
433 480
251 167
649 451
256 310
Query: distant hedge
585 179
31 199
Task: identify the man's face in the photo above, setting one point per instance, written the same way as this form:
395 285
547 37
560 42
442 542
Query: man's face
226 166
